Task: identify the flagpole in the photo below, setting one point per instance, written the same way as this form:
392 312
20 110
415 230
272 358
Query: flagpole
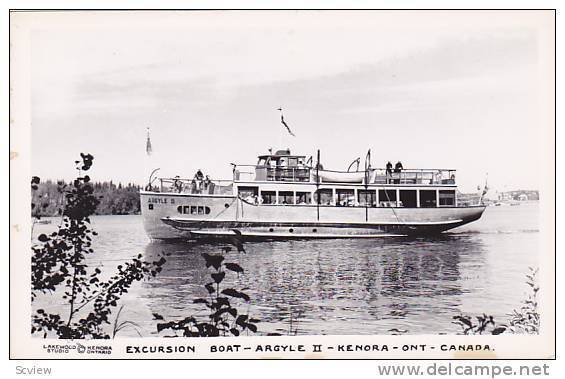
318 186
367 158
485 189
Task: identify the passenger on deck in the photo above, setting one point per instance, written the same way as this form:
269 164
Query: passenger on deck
388 172
177 184
195 186
199 175
398 167
397 170
197 182
207 182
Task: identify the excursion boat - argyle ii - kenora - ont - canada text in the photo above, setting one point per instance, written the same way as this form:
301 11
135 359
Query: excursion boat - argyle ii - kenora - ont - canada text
286 196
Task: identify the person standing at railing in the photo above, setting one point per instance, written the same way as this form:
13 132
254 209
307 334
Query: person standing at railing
177 184
437 178
197 182
397 170
207 182
388 172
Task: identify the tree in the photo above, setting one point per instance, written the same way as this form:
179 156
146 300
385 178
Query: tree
59 264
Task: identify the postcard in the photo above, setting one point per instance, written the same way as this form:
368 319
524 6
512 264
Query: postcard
244 184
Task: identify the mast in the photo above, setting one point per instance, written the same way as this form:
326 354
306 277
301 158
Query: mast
318 186
367 165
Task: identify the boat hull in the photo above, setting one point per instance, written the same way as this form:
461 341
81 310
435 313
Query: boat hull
229 215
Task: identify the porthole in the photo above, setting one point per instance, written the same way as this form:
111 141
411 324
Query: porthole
226 205
150 206
314 230
290 230
271 230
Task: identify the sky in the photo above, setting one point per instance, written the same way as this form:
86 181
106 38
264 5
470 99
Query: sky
431 89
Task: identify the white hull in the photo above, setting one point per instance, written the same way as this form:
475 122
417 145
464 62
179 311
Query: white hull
230 215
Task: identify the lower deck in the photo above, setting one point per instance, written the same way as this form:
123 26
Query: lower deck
185 216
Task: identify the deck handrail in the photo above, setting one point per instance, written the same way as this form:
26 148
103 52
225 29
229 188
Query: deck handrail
340 171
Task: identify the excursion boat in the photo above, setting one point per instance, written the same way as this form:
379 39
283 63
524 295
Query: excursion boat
282 196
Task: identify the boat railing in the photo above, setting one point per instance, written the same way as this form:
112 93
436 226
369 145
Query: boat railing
270 173
245 173
414 176
192 186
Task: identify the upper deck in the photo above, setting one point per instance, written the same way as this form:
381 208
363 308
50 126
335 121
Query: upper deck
285 167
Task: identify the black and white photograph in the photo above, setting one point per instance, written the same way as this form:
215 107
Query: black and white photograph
284 183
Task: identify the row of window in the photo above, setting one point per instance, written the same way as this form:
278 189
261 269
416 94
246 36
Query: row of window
193 209
346 197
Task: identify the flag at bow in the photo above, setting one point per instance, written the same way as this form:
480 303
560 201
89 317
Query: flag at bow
148 148
285 124
485 190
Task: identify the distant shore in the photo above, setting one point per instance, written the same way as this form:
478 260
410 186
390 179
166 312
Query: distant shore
115 199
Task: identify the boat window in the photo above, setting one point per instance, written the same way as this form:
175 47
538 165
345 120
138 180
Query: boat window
387 198
186 209
408 198
292 162
268 197
179 209
303 198
326 196
207 210
193 210
447 198
345 197
286 197
246 191
248 194
367 198
200 210
427 199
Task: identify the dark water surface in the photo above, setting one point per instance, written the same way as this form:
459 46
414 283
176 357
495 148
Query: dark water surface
368 286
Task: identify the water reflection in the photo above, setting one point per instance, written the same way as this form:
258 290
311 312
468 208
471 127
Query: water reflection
328 286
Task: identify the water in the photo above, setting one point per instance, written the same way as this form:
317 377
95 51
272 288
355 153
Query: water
369 286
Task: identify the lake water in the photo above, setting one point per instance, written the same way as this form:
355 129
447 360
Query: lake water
369 286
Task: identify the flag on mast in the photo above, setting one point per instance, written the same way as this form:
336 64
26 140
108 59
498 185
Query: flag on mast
285 124
148 148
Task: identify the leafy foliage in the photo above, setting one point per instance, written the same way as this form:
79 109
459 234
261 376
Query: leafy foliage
527 318
59 264
484 325
223 317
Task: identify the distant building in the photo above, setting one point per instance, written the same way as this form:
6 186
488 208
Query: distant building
520 195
